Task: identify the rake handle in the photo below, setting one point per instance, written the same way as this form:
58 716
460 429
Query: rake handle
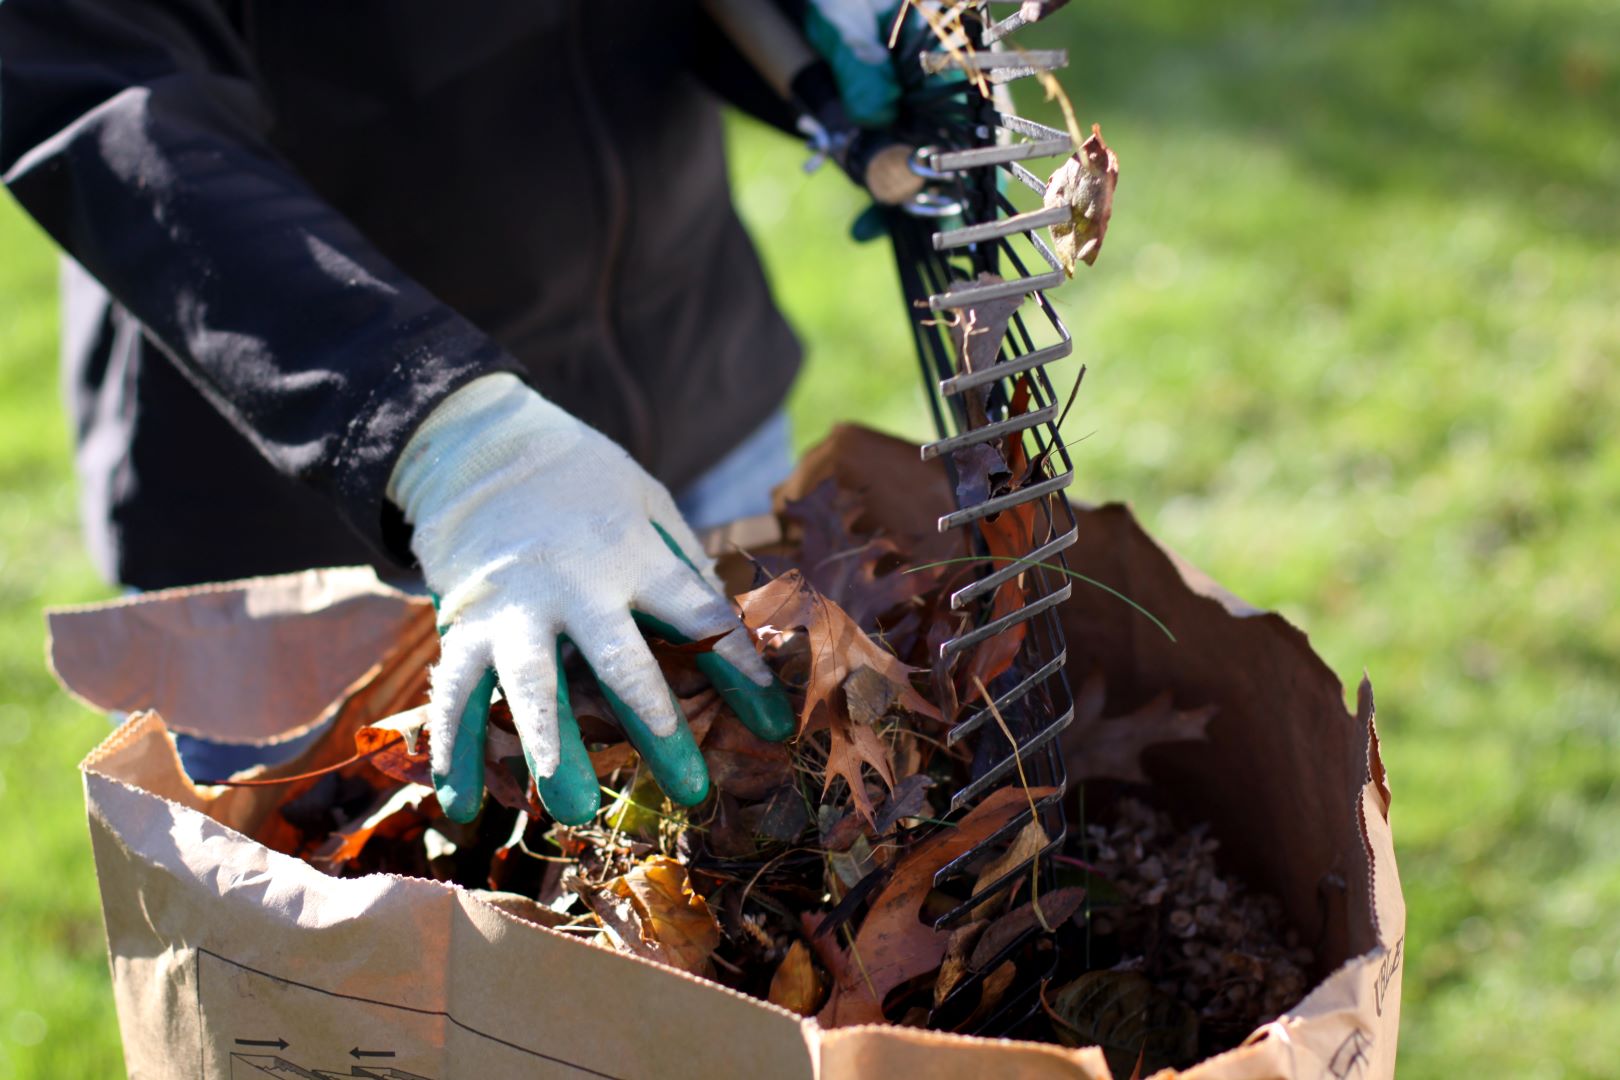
776 49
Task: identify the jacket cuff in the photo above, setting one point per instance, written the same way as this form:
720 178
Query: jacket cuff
436 365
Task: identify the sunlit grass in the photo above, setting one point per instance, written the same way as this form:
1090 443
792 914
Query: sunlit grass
1354 348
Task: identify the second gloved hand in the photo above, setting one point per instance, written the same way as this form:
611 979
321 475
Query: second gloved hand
851 35
535 529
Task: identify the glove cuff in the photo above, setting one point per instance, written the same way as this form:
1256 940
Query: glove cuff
488 424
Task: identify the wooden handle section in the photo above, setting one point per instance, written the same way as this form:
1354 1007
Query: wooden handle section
766 38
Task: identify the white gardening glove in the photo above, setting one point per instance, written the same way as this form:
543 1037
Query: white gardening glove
532 526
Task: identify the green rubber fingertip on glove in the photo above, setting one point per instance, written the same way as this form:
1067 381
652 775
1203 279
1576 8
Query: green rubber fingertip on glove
571 794
868 225
461 790
764 710
675 760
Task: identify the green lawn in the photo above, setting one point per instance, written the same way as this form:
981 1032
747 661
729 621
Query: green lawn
1352 343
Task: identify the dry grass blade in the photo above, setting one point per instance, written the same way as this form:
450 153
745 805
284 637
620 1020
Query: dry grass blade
1023 782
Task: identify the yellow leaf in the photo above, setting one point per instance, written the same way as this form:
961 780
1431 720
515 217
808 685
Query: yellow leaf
675 920
797 985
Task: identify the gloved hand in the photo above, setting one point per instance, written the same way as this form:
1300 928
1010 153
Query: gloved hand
852 36
536 529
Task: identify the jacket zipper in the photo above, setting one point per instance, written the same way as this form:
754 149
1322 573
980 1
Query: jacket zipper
637 409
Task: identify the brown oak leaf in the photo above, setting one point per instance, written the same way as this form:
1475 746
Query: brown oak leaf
861 571
837 645
1111 748
894 945
849 745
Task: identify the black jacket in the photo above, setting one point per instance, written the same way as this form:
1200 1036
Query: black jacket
298 224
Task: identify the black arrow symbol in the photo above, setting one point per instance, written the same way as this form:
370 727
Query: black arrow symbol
279 1044
359 1053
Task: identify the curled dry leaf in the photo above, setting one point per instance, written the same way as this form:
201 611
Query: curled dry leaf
1085 185
838 646
653 911
893 944
1121 1012
1056 908
849 746
869 697
797 985
395 746
1029 842
954 968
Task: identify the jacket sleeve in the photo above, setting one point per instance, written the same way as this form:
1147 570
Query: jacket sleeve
133 132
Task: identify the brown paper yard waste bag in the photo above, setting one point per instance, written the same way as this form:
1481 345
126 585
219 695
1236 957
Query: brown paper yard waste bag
232 960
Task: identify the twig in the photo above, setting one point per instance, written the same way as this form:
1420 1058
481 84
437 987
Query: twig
942 32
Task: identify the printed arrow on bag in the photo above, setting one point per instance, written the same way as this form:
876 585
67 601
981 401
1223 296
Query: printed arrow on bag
359 1053
279 1044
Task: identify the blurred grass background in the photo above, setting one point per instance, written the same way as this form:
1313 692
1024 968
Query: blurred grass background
1353 346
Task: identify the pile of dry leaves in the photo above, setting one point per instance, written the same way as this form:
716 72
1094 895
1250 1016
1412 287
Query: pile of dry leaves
808 876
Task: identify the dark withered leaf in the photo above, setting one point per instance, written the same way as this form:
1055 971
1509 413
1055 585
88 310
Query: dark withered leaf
954 967
870 696
908 799
1057 906
782 816
1111 748
741 763
1121 1012
977 331
981 471
728 834
859 569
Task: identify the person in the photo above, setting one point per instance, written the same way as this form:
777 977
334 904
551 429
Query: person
465 295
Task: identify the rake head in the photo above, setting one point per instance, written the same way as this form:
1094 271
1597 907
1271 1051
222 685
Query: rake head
975 282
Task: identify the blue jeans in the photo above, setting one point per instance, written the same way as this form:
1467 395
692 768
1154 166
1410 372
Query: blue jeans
737 486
